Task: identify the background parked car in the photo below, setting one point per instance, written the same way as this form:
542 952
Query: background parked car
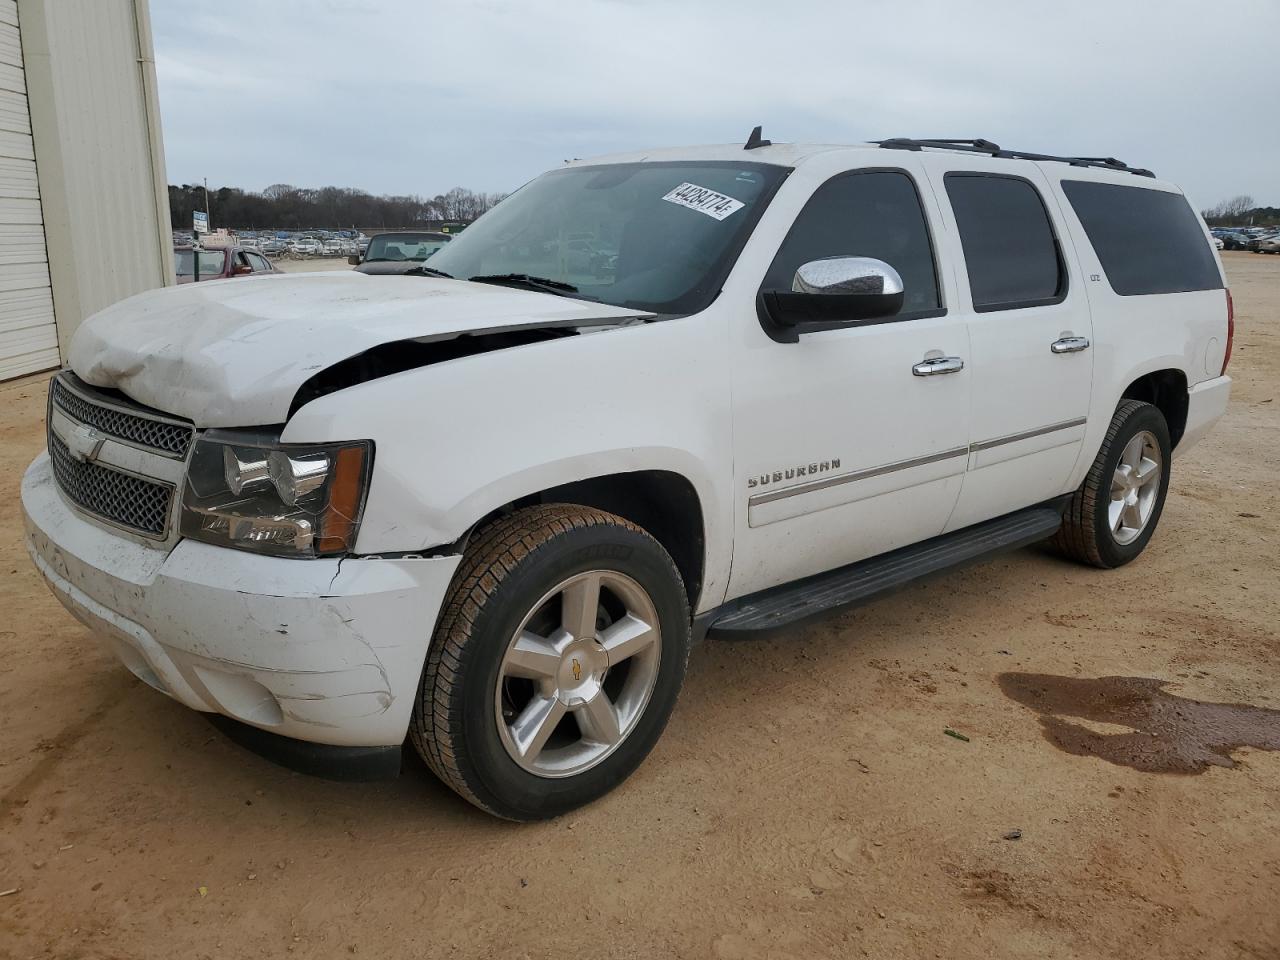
1257 238
219 264
1269 244
398 252
1235 241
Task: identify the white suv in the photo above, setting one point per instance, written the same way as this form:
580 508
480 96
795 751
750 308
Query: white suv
490 507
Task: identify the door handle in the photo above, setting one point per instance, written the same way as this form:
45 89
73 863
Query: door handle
1070 345
931 368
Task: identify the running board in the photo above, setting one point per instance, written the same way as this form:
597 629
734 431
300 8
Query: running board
858 583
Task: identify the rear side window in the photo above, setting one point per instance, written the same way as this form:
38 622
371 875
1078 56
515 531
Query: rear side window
877 214
1148 241
1009 245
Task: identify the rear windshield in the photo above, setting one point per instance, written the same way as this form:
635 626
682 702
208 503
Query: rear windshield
405 246
211 262
1148 241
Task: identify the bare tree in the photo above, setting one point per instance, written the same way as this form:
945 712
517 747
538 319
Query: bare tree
461 204
283 205
1238 206
1230 211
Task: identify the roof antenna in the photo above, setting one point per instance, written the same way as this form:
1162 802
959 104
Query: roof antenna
755 140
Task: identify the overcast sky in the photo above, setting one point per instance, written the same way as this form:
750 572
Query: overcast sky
417 96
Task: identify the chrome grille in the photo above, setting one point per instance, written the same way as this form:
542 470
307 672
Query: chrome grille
171 439
120 498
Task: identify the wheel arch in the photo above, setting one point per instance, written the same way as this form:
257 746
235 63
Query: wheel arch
662 502
1167 391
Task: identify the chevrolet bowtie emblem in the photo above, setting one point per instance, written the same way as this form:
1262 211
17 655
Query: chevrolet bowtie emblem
84 443
577 669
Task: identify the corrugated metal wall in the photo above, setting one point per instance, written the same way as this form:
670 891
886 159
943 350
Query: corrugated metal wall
106 159
28 334
90 111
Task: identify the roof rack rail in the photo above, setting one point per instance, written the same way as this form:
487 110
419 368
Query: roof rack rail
995 150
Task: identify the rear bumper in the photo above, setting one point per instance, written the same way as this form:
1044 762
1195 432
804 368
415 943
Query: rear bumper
1206 403
325 651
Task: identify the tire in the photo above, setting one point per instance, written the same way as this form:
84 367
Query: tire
1088 533
527 574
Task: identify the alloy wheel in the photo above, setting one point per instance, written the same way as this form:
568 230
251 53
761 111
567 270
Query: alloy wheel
578 674
1135 487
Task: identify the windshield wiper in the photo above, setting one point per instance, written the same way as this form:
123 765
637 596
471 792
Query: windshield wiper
425 271
541 284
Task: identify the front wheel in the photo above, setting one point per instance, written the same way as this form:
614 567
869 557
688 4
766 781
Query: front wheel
1115 511
556 662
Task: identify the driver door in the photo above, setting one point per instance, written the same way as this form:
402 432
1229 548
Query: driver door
844 446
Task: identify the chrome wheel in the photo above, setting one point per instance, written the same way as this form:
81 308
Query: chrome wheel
578 674
1135 487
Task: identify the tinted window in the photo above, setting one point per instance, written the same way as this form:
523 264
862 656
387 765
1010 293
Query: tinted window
874 214
259 263
1009 246
1148 241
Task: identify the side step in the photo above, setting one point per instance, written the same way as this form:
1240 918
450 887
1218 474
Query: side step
793 603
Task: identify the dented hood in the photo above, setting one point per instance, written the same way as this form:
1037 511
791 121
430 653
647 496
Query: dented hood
233 353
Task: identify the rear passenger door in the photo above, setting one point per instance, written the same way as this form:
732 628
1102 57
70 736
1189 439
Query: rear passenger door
1030 333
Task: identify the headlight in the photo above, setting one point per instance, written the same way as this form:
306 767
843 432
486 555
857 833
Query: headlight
294 500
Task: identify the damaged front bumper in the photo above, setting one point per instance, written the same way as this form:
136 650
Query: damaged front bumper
324 651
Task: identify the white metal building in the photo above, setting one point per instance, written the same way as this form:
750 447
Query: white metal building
84 209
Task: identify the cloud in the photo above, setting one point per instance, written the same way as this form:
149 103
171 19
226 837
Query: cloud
398 96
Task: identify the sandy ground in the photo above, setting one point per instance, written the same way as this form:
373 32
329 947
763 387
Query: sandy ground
803 803
312 265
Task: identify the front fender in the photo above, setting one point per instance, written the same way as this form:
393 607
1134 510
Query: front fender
456 440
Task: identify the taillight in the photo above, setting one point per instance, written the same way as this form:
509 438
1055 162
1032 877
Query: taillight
1231 332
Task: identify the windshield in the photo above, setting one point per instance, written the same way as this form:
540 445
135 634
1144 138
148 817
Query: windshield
211 262
658 237
405 246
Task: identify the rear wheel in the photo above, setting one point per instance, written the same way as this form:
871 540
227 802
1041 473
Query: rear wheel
556 663
1114 513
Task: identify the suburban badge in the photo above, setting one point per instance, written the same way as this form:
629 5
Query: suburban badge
793 473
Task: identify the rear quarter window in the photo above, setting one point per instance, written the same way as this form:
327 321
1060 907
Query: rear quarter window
1148 241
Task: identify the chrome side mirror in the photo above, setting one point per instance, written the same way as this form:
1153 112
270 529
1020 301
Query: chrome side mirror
858 276
830 293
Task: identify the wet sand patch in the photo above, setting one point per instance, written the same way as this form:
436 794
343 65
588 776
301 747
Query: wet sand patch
1167 733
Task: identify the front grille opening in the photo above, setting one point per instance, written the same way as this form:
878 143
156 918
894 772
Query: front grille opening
171 439
120 498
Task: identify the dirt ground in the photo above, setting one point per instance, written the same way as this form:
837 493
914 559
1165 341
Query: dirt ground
803 803
312 265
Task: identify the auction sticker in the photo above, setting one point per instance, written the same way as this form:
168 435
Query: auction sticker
715 205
